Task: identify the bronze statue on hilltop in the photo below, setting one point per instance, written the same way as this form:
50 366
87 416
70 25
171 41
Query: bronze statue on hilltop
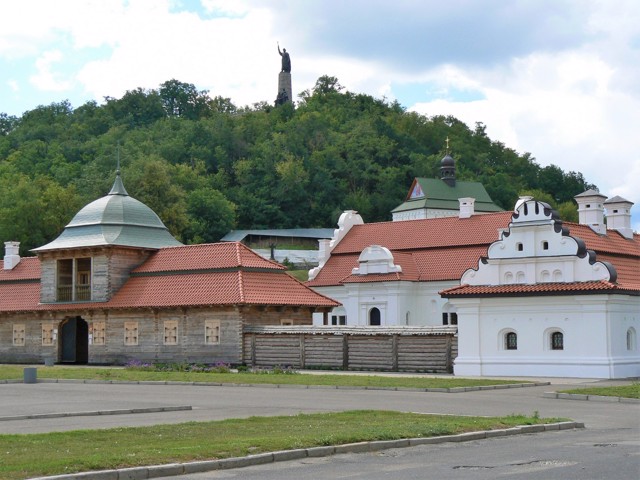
286 60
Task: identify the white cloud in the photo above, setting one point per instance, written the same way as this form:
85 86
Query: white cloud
45 78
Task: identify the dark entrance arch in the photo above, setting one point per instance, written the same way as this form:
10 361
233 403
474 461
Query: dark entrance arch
74 341
374 316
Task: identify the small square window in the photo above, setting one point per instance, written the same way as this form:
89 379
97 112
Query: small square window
19 335
212 332
171 332
520 247
47 334
98 332
131 333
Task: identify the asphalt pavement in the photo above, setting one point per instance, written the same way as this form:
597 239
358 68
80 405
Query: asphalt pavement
609 446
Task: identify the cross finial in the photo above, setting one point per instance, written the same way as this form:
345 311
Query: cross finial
118 160
447 140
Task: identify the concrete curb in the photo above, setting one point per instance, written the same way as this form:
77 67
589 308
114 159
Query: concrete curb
591 398
280 385
171 469
125 411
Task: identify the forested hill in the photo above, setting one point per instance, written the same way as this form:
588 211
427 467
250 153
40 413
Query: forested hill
206 166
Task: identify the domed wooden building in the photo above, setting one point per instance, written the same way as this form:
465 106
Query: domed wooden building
116 286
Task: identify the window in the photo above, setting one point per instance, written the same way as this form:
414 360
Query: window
286 322
47 334
453 318
557 341
519 247
98 332
511 341
212 332
18 335
171 332
374 316
73 280
131 333
445 318
338 319
545 245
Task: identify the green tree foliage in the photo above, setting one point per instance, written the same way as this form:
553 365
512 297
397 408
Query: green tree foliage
206 166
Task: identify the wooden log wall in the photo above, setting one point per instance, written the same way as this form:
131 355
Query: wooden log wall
425 349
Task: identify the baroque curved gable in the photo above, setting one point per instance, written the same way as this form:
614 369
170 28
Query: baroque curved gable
537 248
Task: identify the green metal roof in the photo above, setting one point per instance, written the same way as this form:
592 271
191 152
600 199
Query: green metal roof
439 195
116 219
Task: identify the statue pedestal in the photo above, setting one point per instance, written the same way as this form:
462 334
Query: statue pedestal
284 83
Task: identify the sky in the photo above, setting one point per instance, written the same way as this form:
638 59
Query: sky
559 79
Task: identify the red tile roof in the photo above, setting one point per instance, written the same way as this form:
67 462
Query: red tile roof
19 296
537 289
205 256
199 275
216 288
444 248
27 269
428 233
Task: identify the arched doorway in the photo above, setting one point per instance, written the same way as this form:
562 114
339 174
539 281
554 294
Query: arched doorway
374 316
74 341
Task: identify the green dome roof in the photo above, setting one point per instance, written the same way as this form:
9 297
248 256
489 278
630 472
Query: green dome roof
116 219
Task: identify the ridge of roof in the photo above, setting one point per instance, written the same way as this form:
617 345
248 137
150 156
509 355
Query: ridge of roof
205 256
554 288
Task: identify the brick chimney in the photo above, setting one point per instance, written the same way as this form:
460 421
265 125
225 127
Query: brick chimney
11 255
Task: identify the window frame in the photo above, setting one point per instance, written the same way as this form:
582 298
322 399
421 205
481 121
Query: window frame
212 325
131 334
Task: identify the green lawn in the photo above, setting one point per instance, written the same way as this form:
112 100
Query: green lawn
23 456
626 391
8 372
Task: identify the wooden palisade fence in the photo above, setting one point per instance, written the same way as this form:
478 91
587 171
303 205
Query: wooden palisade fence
416 349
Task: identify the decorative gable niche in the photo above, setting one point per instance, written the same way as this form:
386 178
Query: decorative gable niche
537 248
376 259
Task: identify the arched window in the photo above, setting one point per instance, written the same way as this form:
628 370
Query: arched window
511 341
508 278
557 341
374 316
631 339
520 277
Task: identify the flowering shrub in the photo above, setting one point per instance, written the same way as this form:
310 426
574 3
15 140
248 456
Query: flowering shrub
218 367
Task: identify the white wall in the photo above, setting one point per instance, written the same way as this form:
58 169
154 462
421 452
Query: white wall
594 328
394 299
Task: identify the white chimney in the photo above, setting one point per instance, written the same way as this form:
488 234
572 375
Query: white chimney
591 210
467 207
11 255
619 216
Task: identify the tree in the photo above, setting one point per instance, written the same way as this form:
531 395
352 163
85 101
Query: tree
184 100
211 216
